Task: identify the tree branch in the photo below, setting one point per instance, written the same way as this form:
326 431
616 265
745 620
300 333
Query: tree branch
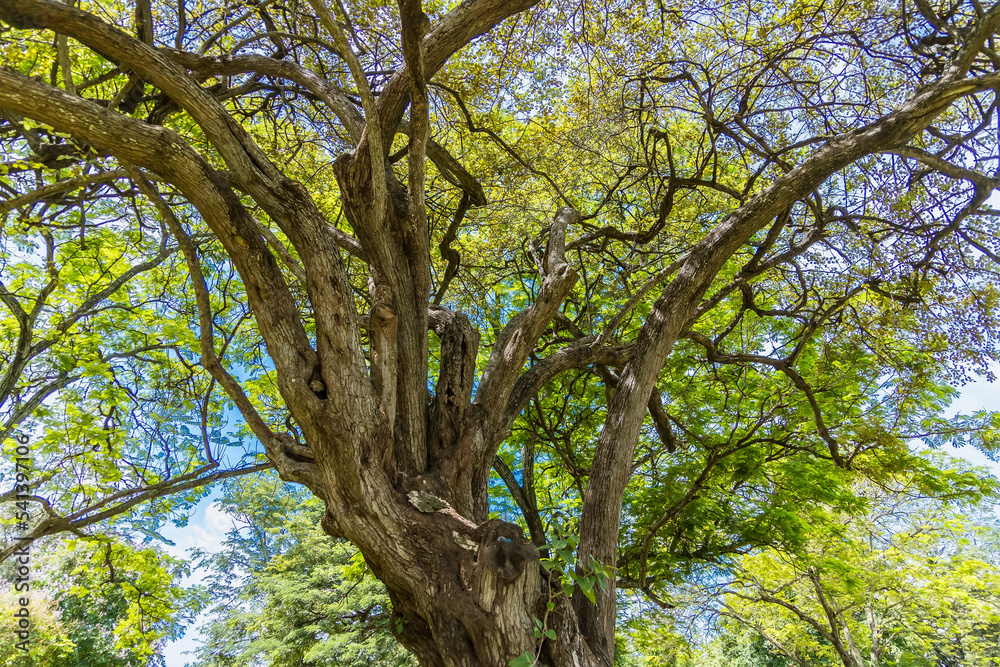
520 496
376 144
459 27
524 329
601 513
161 150
55 524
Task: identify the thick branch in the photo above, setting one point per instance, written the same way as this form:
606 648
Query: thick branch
457 28
60 187
374 137
414 26
209 359
947 168
523 330
579 354
161 150
613 457
339 103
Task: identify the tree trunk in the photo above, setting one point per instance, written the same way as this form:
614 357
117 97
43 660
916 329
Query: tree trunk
463 593
408 485
454 602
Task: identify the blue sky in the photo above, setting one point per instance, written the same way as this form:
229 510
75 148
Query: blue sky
206 530
980 395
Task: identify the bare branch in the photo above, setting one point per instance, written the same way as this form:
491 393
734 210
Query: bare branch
520 496
54 524
947 168
58 188
521 334
339 103
454 30
579 354
375 144
639 295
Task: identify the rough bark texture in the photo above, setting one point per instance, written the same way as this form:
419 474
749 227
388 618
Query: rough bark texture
403 474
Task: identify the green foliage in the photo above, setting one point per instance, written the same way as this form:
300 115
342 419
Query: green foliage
649 637
100 603
736 647
567 571
287 594
911 579
50 643
526 659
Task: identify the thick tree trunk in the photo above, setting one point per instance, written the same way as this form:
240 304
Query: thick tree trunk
411 492
450 606
463 593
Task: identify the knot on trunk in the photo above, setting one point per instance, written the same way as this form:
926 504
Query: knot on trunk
504 549
295 462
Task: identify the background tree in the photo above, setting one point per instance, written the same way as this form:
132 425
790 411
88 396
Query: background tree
741 648
284 593
100 603
673 272
910 581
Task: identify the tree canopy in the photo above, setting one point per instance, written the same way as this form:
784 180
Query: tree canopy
547 304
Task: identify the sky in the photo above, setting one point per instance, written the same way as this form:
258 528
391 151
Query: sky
980 395
206 530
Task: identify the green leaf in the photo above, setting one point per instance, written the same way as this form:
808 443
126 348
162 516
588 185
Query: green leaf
526 659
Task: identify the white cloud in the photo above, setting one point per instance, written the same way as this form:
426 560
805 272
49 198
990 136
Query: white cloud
206 530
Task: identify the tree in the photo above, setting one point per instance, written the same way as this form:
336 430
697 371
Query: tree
741 648
287 594
98 603
911 581
770 252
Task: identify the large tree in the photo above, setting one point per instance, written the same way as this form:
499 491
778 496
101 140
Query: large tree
767 248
